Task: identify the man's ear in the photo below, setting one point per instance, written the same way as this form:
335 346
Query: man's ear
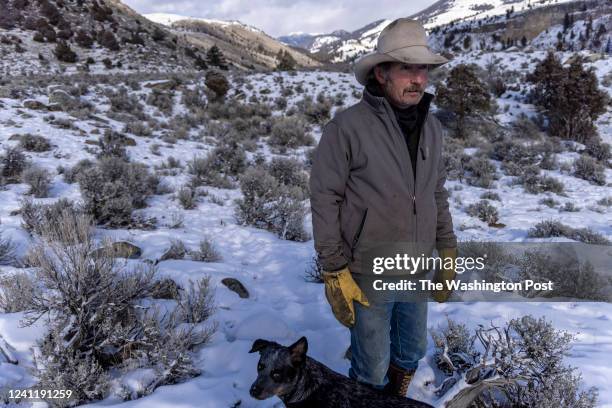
259 345
379 75
298 351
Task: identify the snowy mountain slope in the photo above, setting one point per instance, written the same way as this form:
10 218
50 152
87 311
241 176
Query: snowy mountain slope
241 42
481 20
168 19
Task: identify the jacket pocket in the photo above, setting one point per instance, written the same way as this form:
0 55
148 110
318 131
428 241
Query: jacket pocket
358 234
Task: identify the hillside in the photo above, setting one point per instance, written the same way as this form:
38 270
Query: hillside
245 44
95 36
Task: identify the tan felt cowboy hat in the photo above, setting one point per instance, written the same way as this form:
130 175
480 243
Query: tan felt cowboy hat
403 40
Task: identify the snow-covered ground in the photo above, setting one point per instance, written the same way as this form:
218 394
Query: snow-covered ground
282 305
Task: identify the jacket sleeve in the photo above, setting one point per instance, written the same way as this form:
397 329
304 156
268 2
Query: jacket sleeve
329 174
445 235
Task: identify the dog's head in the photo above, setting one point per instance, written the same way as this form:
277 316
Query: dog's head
278 367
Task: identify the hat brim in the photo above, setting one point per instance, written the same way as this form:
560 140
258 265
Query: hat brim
409 55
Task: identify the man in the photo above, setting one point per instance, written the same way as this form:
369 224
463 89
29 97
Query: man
378 177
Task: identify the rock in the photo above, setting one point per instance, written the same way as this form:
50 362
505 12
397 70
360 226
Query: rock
162 85
34 104
121 249
236 286
62 98
166 289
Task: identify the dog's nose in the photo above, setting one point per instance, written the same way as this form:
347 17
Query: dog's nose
255 390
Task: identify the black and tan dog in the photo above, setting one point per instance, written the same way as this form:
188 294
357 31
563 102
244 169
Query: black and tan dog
302 382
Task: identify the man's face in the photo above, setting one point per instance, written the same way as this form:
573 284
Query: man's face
403 84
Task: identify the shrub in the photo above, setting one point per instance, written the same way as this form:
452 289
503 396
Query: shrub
98 322
270 205
187 198
34 143
490 195
15 292
177 250
571 278
107 40
216 82
535 183
13 163
482 172
315 112
70 175
112 144
289 172
484 211
196 303
314 271
39 181
588 169
83 39
7 251
526 354
206 252
289 132
64 53
598 150
161 100
113 188
229 158
41 218
552 228
513 151
205 171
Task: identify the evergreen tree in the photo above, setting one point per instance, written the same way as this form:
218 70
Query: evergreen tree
567 22
463 95
569 96
524 41
286 62
215 57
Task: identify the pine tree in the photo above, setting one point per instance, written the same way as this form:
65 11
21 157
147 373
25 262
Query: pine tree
286 62
463 94
215 57
567 22
569 96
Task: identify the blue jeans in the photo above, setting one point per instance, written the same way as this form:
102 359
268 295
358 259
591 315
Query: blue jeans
386 331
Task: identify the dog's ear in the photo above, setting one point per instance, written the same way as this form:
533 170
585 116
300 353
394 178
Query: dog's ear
298 351
259 345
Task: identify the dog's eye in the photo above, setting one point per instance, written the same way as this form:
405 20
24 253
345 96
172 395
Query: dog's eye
276 376
260 367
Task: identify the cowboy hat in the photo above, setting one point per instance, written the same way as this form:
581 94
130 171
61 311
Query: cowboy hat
403 40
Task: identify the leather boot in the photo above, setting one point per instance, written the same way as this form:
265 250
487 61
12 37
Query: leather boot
399 380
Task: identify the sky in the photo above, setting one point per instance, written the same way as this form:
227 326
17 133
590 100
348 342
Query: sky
281 17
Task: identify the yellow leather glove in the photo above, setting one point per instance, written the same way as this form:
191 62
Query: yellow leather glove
340 291
444 275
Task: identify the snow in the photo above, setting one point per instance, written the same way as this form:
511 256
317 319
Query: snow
168 19
282 306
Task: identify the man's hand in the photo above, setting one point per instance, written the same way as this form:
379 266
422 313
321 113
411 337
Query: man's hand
340 291
443 275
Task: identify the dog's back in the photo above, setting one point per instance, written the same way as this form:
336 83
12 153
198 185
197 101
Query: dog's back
330 389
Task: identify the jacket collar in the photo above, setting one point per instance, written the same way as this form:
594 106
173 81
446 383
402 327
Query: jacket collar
380 103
